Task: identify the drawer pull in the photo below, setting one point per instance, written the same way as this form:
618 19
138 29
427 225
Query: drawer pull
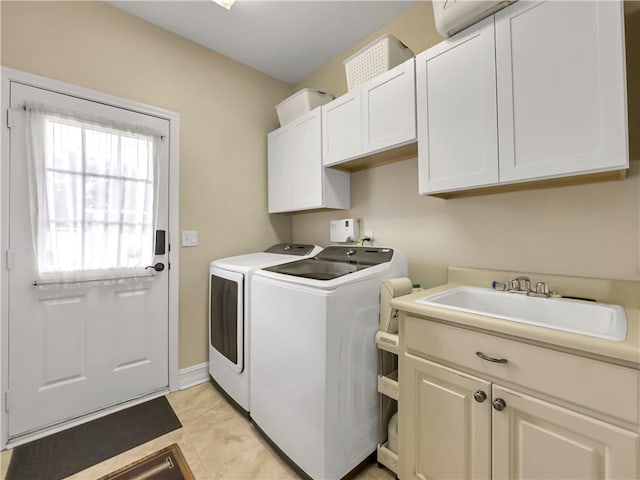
499 404
491 359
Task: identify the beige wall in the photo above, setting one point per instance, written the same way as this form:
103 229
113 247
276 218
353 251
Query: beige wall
588 230
225 108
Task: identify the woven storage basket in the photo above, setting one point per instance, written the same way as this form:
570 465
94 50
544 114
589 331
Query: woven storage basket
300 103
377 57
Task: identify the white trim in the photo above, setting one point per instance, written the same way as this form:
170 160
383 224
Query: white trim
9 75
192 376
21 440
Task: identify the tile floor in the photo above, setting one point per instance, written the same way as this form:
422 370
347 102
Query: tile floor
216 441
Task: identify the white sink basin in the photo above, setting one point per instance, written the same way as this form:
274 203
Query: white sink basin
587 318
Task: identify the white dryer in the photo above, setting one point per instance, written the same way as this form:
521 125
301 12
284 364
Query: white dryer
313 356
229 314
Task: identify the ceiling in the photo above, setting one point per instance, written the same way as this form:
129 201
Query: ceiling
284 39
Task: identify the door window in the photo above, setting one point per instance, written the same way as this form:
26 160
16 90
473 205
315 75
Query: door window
93 196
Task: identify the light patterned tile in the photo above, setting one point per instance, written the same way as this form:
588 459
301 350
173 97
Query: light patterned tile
202 403
377 473
218 442
198 469
290 472
5 458
257 463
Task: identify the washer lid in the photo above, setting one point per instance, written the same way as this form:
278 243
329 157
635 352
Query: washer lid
334 262
300 249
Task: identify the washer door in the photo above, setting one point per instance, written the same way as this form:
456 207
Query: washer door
226 316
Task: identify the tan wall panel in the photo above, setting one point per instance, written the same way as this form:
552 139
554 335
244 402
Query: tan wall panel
588 230
226 110
414 28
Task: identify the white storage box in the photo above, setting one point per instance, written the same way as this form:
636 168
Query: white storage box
381 55
300 103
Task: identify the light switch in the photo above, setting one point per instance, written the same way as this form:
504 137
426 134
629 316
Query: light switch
189 238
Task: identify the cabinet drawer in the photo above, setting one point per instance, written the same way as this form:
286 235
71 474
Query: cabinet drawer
600 386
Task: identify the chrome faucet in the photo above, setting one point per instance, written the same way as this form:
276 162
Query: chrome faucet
520 285
523 285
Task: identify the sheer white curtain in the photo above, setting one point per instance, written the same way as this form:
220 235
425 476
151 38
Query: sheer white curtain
93 189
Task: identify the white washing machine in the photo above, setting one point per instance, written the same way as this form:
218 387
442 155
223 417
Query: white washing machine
313 355
229 314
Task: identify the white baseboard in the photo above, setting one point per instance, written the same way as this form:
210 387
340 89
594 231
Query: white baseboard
192 376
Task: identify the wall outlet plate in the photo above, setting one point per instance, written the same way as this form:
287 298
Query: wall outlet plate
189 238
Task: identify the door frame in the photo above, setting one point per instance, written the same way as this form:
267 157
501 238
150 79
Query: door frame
9 75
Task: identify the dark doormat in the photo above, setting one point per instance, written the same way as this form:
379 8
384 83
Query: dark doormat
65 453
165 464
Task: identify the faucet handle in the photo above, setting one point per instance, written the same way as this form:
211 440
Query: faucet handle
542 288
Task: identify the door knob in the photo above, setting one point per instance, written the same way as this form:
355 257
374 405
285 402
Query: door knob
499 404
158 267
480 396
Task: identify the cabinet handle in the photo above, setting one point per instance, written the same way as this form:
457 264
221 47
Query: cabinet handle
499 404
491 359
480 396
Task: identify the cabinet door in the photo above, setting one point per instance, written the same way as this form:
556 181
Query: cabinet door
389 109
561 89
456 103
306 162
279 176
342 129
444 431
534 439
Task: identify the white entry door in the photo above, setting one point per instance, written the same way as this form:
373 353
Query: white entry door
80 343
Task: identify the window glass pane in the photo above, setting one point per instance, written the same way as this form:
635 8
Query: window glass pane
63 248
63 146
114 204
138 197
134 242
96 201
136 156
101 152
64 192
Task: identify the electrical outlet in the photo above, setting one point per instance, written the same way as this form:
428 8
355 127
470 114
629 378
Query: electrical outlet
189 238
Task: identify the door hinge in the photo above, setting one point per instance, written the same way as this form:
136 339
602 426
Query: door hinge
8 118
6 401
7 259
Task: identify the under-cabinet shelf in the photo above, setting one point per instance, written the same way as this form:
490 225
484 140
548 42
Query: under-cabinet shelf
388 458
388 384
387 342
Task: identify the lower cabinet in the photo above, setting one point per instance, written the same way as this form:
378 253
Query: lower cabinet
457 425
444 431
532 438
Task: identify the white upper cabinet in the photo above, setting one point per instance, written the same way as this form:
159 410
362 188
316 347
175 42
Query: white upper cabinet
538 91
389 109
378 115
342 128
297 179
278 171
457 116
561 89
